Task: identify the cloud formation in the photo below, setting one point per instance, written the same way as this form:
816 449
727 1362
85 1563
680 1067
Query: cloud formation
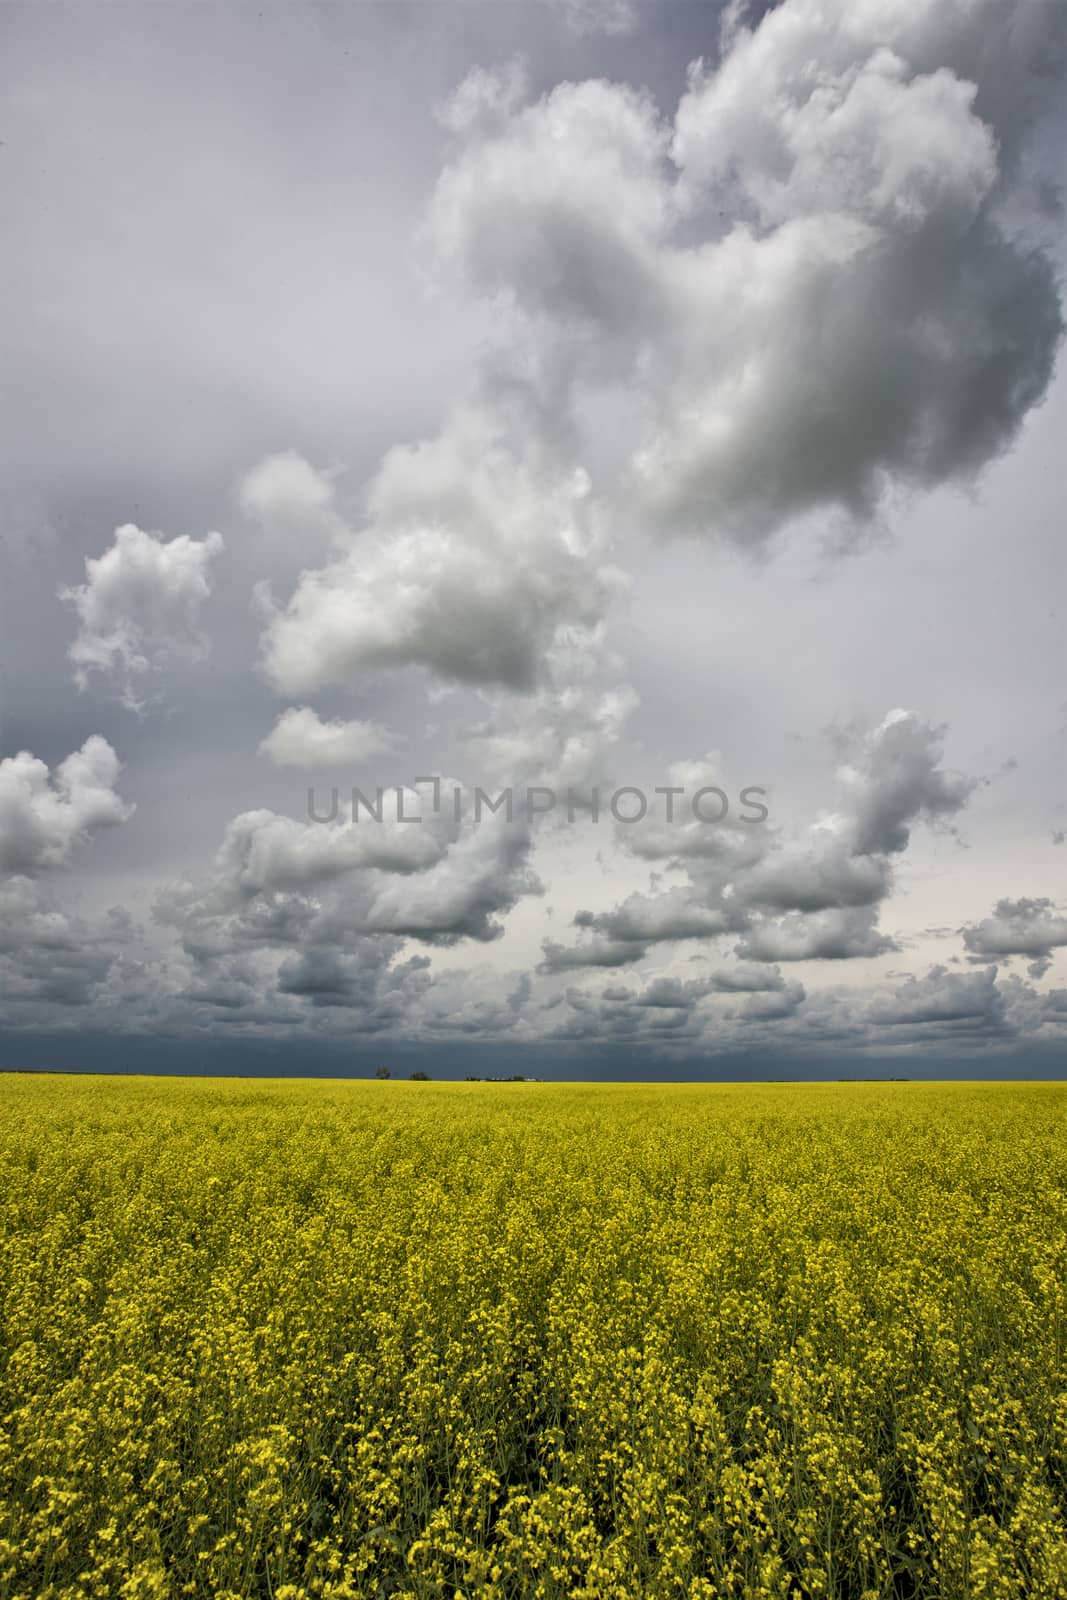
816 897
300 738
1026 927
139 605
44 816
775 295
472 563
319 911
599 16
803 280
961 1001
48 957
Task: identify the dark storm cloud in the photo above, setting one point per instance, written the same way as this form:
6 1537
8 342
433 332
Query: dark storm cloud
1032 928
950 999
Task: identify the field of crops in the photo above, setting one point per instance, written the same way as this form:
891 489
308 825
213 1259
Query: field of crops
403 1339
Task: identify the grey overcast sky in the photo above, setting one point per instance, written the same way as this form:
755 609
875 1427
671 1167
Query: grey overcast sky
577 399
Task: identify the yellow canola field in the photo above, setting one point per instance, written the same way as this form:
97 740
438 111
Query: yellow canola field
288 1339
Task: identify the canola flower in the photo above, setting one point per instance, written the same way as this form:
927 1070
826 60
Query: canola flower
293 1340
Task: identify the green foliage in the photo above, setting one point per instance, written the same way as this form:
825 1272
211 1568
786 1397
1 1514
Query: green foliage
290 1340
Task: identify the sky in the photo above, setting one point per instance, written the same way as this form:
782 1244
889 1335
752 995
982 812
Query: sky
622 443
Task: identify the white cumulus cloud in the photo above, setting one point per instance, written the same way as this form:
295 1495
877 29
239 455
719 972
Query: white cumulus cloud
139 605
472 564
300 738
45 815
804 281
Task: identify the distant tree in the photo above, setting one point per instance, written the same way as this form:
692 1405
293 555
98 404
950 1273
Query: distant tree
420 1077
382 1072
